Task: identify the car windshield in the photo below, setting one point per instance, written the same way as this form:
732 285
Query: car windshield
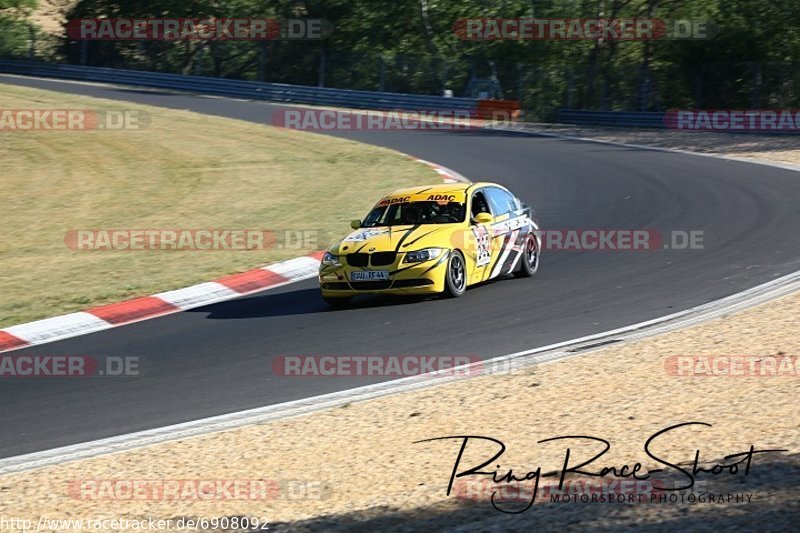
415 213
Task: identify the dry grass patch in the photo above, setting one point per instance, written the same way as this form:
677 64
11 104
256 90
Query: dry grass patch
185 170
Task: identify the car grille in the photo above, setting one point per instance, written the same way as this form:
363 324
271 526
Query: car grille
376 259
336 286
383 258
370 285
404 283
357 260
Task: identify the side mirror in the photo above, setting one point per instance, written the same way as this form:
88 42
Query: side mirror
483 218
355 224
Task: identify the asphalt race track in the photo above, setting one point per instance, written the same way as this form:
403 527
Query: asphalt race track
216 359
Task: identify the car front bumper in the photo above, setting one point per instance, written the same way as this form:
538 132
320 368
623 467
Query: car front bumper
417 278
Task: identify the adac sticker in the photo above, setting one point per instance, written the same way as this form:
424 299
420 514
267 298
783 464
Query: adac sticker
396 200
441 199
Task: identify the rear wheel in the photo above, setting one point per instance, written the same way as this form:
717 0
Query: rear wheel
529 262
337 302
455 278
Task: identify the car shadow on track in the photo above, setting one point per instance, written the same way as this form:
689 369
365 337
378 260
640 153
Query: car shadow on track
300 302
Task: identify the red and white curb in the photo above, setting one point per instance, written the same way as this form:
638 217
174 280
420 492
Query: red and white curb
164 303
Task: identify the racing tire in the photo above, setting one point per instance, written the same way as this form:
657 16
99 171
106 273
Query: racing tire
338 302
455 277
529 262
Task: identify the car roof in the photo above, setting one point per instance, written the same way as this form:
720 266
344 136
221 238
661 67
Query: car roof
443 188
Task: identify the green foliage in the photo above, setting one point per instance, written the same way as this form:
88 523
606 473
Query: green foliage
410 46
15 29
22 6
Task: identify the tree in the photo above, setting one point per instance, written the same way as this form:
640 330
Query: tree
15 27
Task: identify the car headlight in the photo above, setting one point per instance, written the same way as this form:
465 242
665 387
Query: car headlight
331 260
420 256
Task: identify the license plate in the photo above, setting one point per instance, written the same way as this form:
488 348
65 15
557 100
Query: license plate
369 275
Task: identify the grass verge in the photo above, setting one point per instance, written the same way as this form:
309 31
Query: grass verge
184 170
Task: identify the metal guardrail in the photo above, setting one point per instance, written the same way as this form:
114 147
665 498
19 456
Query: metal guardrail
611 118
276 92
300 94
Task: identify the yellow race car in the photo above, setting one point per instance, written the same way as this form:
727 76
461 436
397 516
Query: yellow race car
438 239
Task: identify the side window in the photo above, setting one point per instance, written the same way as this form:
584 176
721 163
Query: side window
479 203
501 201
393 214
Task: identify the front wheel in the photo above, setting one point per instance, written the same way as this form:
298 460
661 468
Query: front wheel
529 262
455 278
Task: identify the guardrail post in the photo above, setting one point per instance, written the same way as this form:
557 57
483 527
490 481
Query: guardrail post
32 47
322 60
382 73
262 61
570 87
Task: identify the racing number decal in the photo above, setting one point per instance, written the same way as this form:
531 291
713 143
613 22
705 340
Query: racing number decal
483 240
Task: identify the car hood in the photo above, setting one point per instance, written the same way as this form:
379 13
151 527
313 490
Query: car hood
401 238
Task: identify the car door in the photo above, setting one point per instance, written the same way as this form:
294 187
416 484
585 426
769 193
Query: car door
481 246
507 236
